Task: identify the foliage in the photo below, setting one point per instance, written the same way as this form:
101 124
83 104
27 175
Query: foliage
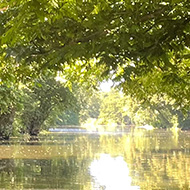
8 97
46 97
69 117
140 38
9 104
86 106
146 88
113 108
80 77
142 45
90 102
159 111
6 124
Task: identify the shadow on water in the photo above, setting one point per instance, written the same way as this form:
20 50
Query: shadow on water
145 160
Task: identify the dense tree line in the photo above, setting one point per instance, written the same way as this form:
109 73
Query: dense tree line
141 45
119 109
33 106
48 103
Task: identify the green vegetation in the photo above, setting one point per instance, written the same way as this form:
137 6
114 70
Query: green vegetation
28 109
134 40
143 46
119 109
46 96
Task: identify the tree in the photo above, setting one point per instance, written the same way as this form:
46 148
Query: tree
113 109
47 96
139 37
69 117
158 111
9 104
90 102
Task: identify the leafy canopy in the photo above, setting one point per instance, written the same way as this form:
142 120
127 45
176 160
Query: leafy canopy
131 38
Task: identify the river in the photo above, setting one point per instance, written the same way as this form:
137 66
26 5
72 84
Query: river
138 160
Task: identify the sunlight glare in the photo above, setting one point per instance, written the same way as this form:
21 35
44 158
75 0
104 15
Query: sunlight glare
106 86
147 127
111 173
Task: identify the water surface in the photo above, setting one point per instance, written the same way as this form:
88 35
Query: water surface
144 160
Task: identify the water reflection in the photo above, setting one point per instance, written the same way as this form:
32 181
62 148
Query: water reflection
44 174
145 160
111 173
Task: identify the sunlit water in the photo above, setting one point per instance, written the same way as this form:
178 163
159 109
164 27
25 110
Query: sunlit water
140 160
